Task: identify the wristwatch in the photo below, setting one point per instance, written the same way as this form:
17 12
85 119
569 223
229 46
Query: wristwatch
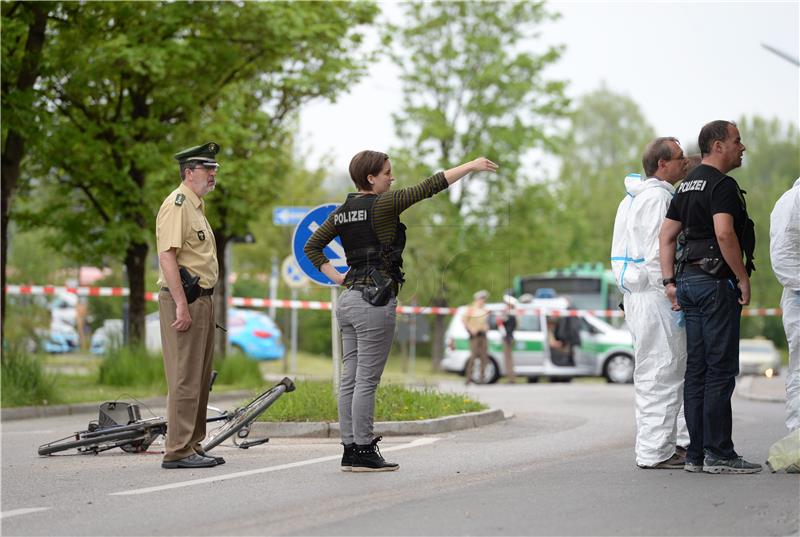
666 281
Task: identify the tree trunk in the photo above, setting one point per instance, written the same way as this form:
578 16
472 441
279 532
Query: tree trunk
221 293
14 146
135 259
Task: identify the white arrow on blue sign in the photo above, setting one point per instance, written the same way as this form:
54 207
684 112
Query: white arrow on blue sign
333 251
288 216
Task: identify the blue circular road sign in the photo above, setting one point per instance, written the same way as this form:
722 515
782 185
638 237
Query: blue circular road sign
333 251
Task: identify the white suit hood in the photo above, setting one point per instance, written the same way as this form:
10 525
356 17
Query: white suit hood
634 248
784 238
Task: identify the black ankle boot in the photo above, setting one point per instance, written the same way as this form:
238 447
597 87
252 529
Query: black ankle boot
348 456
368 458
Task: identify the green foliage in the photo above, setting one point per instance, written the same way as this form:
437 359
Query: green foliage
239 370
315 401
26 317
314 332
132 366
469 90
608 135
24 380
770 166
127 84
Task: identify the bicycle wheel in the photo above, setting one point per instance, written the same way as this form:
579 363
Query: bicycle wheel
247 414
103 439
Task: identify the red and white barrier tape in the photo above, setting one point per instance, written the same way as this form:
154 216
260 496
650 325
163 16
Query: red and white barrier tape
316 305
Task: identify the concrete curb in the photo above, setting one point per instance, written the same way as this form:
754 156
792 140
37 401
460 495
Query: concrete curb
384 428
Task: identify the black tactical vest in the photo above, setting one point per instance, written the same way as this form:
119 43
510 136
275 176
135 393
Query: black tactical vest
353 221
699 241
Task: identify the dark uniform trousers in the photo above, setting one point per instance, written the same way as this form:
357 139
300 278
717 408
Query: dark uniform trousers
188 360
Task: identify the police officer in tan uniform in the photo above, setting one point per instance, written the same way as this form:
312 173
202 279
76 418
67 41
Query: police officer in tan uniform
185 241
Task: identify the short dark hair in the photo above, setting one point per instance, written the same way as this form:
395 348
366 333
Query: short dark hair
190 165
364 164
712 132
658 149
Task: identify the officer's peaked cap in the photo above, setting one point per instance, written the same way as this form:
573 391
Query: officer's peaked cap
206 153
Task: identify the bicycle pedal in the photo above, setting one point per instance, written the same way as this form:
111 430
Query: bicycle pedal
251 443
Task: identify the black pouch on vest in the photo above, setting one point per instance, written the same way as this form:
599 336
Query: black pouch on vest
191 285
380 292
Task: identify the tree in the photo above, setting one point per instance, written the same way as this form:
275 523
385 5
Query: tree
132 83
24 26
472 86
607 137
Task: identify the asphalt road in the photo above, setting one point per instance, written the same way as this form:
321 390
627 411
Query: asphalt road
563 465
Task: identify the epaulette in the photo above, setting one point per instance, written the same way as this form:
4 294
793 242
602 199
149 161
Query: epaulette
179 199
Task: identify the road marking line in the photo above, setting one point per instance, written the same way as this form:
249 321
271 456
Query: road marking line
180 484
24 511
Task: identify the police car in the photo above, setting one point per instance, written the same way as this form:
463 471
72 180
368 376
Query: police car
604 350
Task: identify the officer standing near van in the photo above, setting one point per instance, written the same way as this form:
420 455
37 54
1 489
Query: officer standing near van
476 321
509 323
187 256
368 223
711 285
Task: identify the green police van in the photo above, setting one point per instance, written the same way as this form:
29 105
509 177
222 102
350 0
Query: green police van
604 350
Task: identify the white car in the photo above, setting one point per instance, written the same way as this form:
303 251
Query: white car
759 357
604 351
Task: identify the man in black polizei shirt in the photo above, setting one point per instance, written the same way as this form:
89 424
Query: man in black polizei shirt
710 284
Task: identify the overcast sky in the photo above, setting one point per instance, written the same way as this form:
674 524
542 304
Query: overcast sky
684 63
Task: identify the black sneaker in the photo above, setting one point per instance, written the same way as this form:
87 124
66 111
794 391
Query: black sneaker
736 465
348 456
368 458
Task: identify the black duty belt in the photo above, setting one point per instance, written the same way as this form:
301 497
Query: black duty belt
203 292
359 287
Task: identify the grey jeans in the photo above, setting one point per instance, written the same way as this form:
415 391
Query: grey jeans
367 334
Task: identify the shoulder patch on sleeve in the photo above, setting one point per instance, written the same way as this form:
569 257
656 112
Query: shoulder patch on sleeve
179 199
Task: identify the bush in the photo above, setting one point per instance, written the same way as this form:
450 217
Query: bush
239 370
314 330
314 401
132 366
24 380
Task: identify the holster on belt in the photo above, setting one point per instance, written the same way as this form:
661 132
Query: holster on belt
191 285
379 293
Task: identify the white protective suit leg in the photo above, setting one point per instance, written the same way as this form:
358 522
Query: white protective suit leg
790 303
660 353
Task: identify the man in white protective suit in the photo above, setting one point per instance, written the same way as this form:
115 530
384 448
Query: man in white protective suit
784 252
659 339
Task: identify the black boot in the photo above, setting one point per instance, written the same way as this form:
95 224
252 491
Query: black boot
368 459
348 456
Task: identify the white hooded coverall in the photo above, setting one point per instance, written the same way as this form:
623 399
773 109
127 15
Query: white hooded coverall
659 343
784 252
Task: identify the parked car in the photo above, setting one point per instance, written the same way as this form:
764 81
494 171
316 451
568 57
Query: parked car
249 331
604 351
758 356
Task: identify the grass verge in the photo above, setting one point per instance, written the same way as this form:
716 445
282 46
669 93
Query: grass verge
314 401
25 382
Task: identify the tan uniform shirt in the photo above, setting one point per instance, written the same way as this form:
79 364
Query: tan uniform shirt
476 319
181 223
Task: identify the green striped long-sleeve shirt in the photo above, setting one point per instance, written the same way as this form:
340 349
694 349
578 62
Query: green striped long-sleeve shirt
387 208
